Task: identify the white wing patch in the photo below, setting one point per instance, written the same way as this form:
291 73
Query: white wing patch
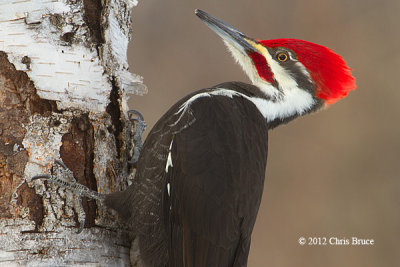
169 189
169 159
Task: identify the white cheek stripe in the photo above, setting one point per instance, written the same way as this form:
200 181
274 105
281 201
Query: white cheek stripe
304 71
295 101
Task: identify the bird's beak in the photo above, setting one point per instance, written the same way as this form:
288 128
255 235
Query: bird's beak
229 34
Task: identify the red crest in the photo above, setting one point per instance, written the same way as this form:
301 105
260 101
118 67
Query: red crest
328 70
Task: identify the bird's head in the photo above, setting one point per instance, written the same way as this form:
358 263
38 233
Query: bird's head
295 72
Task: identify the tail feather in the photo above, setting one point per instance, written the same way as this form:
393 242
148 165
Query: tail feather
190 249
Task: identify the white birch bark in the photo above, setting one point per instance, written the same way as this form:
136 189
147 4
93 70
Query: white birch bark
64 86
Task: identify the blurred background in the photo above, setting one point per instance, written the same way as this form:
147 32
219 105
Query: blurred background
331 174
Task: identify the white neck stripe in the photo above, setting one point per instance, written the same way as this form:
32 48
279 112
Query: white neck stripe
295 101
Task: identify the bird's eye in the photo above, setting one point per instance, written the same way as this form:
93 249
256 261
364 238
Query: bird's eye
282 57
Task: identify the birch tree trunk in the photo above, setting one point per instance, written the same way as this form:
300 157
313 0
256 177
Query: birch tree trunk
64 86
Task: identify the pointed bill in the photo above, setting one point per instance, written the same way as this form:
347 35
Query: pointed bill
229 34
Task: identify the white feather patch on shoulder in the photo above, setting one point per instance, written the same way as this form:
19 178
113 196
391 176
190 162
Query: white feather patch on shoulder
185 105
218 91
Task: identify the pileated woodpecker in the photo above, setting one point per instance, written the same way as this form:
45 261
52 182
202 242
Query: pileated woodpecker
200 175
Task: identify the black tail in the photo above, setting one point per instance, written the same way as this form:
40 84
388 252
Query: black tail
189 249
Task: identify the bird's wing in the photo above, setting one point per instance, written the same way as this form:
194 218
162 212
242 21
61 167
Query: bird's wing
215 182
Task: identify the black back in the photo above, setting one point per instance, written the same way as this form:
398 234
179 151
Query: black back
219 152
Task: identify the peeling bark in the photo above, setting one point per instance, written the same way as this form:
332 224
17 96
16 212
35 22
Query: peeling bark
64 86
18 100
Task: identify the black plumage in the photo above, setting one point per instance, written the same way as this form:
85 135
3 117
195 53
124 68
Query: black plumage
218 155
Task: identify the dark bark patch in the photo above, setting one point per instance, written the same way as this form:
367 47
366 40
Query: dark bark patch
92 16
27 61
12 165
6 183
77 154
114 110
68 37
28 198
